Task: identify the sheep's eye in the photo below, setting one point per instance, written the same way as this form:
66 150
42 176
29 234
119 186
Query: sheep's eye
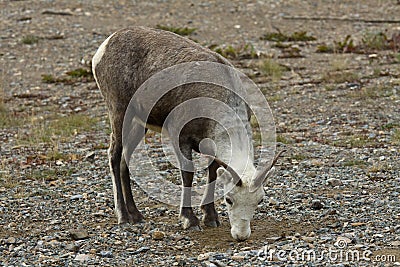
229 201
261 201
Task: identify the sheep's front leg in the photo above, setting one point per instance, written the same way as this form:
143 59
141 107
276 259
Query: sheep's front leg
189 219
125 207
187 216
210 215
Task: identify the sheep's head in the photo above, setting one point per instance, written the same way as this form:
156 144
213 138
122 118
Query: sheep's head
243 194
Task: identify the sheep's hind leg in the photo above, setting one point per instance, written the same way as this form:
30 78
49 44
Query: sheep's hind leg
134 134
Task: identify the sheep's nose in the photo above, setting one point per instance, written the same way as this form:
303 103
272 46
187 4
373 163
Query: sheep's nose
240 236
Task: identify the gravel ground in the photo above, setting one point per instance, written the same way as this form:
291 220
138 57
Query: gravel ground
335 199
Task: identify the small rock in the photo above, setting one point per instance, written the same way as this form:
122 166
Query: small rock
106 254
76 197
334 182
308 239
140 250
158 235
317 204
238 257
72 247
272 201
11 240
355 224
203 256
78 234
395 243
82 257
90 156
273 239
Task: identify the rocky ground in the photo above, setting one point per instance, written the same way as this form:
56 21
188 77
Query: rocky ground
335 200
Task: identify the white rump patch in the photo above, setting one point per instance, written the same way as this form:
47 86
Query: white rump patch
99 54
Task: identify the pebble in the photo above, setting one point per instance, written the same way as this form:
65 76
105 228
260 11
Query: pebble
11 240
78 234
140 250
203 256
158 235
82 257
75 197
317 204
238 257
72 247
395 243
308 239
106 254
334 182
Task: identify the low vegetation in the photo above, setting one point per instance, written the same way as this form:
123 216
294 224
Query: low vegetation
285 37
370 42
396 137
30 39
56 129
270 68
244 51
70 77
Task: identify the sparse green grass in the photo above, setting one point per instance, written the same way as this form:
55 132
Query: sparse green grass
30 39
339 64
4 117
340 77
6 179
354 163
73 76
244 51
48 78
51 174
372 92
291 37
183 31
375 41
274 98
354 141
371 41
272 69
280 138
397 57
396 137
389 126
379 167
338 72
79 73
299 157
324 48
60 129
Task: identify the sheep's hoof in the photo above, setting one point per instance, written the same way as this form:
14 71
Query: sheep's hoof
191 223
212 223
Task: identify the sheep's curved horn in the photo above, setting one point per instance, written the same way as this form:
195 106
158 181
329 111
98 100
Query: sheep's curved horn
235 176
257 182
